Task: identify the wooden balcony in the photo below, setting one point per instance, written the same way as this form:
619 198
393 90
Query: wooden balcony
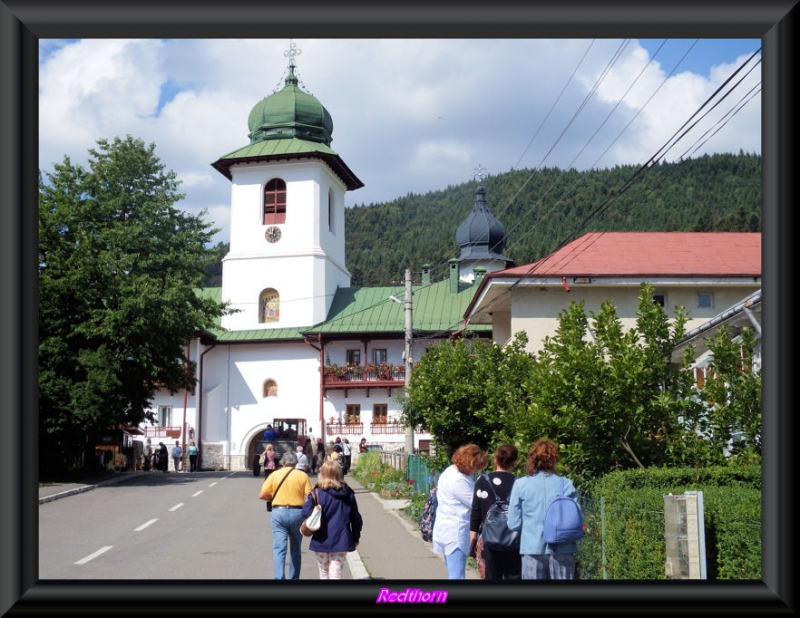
375 429
344 429
386 428
345 378
162 432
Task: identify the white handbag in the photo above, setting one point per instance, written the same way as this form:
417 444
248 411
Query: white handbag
313 522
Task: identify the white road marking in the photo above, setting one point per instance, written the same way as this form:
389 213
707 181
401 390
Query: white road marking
212 484
144 525
194 495
177 506
102 550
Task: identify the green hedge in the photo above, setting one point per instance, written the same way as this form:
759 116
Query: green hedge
632 502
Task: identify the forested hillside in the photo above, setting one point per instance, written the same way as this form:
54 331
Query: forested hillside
542 209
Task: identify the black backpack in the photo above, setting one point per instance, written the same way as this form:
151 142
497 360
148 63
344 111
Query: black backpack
496 534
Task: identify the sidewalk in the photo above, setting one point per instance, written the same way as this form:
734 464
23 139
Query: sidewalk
390 548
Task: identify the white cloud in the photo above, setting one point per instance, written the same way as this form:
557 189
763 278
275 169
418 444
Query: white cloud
409 115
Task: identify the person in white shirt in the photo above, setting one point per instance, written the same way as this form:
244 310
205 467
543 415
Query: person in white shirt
454 493
346 455
302 460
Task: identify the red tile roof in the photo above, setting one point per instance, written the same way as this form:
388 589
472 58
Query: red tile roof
637 254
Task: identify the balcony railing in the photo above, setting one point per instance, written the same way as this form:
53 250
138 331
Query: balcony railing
344 429
357 429
367 376
387 428
162 432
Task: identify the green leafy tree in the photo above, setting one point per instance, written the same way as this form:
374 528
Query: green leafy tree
468 391
732 392
118 270
612 398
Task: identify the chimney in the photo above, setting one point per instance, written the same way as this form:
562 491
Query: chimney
480 273
426 274
453 275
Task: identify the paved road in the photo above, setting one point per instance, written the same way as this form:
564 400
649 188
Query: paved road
162 526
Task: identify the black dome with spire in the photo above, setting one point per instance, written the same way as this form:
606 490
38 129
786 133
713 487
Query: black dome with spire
481 236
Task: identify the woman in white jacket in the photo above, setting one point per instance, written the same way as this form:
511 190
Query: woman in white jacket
454 494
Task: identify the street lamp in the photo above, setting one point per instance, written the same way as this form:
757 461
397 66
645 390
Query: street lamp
408 360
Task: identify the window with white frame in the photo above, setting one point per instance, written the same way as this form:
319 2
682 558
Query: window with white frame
165 416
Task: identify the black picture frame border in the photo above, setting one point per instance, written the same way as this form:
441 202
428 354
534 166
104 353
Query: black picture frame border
24 22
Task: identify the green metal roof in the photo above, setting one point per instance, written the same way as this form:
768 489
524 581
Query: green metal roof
435 310
222 335
290 148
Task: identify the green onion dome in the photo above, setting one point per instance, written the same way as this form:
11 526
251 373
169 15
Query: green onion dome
288 113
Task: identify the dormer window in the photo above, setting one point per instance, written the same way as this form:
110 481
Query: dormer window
274 202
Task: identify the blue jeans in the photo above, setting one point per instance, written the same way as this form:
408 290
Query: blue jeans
286 531
456 565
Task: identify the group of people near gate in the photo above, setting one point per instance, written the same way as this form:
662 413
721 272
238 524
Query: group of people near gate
463 504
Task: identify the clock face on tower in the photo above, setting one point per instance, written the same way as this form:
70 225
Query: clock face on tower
273 234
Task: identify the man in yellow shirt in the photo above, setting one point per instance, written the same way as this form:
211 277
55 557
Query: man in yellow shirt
287 487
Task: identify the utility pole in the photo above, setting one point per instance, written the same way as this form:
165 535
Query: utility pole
409 361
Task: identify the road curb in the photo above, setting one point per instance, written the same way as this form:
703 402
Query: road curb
84 488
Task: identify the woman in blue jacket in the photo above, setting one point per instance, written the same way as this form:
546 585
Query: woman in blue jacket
341 522
529 498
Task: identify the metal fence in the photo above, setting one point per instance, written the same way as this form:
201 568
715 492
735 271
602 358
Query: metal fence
415 469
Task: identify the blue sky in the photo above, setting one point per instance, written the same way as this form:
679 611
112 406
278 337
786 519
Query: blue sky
410 116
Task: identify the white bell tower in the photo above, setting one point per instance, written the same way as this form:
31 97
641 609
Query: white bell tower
288 187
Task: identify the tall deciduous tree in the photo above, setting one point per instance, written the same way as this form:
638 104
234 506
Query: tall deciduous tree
118 270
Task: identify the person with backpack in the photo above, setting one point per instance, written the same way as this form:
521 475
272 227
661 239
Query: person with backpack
491 491
454 496
530 497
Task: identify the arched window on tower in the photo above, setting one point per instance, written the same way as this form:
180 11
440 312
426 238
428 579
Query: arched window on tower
269 306
330 210
270 388
274 202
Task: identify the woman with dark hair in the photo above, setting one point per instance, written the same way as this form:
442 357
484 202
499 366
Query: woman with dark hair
530 496
454 494
495 564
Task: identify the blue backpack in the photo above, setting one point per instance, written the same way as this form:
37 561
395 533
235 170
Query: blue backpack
428 516
563 520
